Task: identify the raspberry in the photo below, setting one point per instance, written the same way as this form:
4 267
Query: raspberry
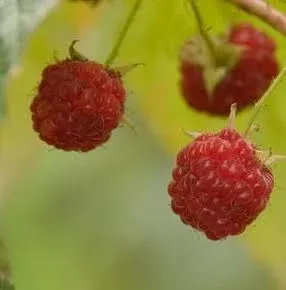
80 102
243 82
220 185
78 105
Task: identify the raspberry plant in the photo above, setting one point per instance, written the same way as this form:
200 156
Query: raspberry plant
12 49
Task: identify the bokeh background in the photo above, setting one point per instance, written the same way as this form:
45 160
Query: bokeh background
102 220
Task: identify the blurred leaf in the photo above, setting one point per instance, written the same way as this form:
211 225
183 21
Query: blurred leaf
17 19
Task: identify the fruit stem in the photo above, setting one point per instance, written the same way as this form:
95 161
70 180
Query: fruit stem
202 30
260 104
74 54
273 159
193 135
232 115
252 129
264 11
123 33
123 70
126 121
267 158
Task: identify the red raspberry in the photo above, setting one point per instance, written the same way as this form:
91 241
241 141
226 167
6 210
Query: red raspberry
219 185
244 83
78 105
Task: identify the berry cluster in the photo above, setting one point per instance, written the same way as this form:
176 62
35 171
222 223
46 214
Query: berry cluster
220 183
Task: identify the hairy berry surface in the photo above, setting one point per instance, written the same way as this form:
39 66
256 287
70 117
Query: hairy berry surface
219 185
78 105
244 84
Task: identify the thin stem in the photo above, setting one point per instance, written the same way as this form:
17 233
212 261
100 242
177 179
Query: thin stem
232 115
123 70
123 33
203 32
259 105
193 135
74 54
126 121
264 11
274 158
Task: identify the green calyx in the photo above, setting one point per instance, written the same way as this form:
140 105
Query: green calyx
213 54
215 62
225 58
74 54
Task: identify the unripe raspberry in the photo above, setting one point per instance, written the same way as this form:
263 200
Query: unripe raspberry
78 105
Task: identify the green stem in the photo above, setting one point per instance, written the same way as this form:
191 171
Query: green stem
123 33
74 54
203 32
260 104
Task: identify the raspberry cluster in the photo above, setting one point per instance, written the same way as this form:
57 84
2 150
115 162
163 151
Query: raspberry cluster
219 185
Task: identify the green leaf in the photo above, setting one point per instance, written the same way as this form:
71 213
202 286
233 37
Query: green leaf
17 19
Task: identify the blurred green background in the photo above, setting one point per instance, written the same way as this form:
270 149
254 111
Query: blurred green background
102 220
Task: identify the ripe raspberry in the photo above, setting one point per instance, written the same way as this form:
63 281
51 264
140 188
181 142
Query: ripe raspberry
243 82
219 184
78 105
80 102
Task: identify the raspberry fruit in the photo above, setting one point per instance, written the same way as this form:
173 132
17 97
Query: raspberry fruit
78 105
220 184
80 102
237 68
